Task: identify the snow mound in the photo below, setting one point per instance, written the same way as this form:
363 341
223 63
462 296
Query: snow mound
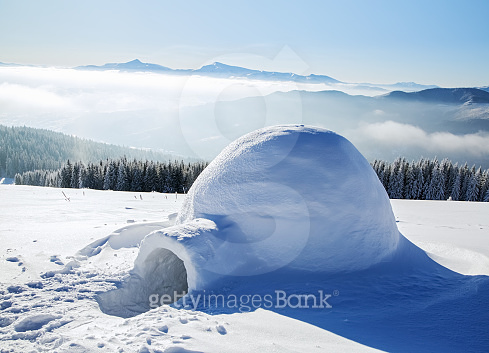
295 196
34 322
291 197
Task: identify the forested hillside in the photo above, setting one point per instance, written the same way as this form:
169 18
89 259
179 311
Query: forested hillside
26 149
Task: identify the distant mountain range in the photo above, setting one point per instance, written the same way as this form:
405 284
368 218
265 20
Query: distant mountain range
216 69
221 70
13 65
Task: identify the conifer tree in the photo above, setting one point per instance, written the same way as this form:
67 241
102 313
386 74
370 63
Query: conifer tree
456 188
437 183
472 192
486 196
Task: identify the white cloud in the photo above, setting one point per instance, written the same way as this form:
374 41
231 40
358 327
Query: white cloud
394 135
16 97
26 88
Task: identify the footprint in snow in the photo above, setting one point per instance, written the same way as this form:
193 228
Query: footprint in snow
221 329
144 349
6 321
56 260
35 284
34 322
15 289
183 320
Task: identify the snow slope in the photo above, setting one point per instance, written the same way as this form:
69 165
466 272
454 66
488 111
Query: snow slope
455 234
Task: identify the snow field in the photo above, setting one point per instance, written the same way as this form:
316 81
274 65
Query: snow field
82 326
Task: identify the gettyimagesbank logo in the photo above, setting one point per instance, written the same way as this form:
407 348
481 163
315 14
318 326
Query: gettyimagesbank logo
244 302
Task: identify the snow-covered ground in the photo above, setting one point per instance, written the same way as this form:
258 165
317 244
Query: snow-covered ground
57 255
455 234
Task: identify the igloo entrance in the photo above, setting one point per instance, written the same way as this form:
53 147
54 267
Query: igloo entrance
165 276
164 281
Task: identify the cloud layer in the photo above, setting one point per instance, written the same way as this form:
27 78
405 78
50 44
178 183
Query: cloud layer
175 113
394 135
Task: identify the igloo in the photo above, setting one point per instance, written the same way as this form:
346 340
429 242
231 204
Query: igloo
283 197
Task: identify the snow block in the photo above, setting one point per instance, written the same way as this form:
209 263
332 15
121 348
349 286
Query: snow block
290 196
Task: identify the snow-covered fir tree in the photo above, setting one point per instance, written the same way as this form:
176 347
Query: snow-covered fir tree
457 184
432 180
472 191
436 189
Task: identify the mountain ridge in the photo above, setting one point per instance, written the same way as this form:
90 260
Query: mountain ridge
463 95
221 70
216 69
133 65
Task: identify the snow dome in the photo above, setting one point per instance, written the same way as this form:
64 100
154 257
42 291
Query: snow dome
283 197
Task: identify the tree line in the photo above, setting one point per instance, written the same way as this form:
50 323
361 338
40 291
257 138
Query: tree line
422 180
433 180
120 175
24 149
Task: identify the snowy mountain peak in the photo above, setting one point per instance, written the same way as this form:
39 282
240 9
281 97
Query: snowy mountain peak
133 65
220 67
135 62
412 86
217 64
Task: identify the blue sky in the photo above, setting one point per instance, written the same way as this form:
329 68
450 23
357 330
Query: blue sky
430 42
